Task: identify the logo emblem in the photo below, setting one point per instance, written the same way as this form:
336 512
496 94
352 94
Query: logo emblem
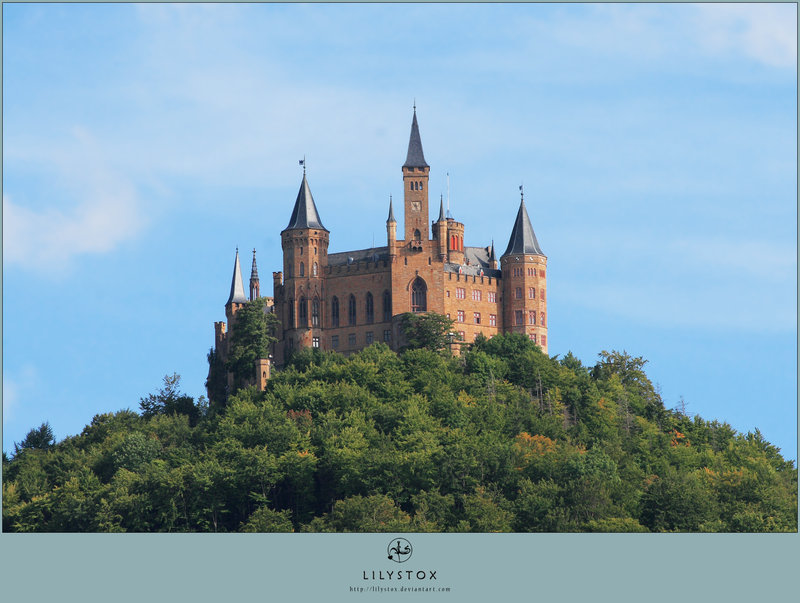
399 550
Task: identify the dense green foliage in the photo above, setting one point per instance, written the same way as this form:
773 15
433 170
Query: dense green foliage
501 438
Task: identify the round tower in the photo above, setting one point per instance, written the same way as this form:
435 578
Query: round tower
305 255
524 271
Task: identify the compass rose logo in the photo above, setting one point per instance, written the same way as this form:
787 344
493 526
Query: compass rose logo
399 550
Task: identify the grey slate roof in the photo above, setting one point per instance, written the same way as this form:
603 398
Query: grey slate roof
254 269
373 254
492 257
304 214
391 212
237 295
523 240
478 258
441 211
415 156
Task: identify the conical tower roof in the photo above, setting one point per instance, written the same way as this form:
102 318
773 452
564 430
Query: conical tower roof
304 214
492 257
254 269
441 211
523 239
391 212
237 295
415 157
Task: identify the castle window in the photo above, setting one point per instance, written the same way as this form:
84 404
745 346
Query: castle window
302 269
448 293
335 342
370 337
421 185
370 309
302 312
518 293
541 294
544 340
541 273
387 335
314 269
493 297
461 316
519 319
476 295
492 320
533 337
315 342
315 251
351 340
335 312
531 317
417 235
411 185
315 313
541 322
301 251
461 336
477 317
461 293
419 296
291 313
351 310
387 306
531 293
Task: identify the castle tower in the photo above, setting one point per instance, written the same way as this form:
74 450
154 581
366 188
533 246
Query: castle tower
440 232
305 255
415 185
455 241
237 298
524 282
391 231
255 287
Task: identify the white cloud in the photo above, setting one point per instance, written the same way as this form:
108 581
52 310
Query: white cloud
97 209
765 32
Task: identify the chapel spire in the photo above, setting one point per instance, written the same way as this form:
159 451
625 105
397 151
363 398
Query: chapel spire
255 286
237 295
441 210
391 212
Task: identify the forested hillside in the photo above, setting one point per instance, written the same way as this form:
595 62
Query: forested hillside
499 438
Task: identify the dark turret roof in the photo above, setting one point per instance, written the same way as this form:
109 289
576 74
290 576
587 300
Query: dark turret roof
237 295
441 211
415 156
523 240
492 257
254 269
304 214
391 212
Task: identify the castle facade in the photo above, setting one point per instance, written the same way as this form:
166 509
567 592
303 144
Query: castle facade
346 301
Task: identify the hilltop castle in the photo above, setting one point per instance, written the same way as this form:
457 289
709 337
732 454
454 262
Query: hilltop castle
346 301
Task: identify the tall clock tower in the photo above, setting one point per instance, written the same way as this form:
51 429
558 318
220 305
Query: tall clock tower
415 184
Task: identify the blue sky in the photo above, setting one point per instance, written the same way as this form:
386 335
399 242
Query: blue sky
143 143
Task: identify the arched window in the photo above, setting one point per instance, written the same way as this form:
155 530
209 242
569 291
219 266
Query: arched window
302 312
351 310
387 306
302 269
315 312
417 234
370 309
411 185
335 312
291 314
419 296
421 185
314 269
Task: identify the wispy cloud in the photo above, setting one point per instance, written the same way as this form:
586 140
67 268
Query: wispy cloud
764 32
97 209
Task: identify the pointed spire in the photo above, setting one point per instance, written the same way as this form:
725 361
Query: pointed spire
237 295
415 156
254 269
391 212
492 257
441 210
304 214
523 239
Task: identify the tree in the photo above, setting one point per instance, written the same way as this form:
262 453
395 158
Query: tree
251 336
38 438
429 330
169 401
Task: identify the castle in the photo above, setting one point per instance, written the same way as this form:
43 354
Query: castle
345 301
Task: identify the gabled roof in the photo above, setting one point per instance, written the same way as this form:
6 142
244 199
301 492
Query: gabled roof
304 214
237 295
415 156
523 239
